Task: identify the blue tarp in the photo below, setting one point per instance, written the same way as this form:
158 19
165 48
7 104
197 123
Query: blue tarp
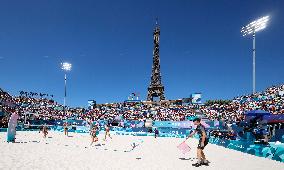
274 118
257 113
2 113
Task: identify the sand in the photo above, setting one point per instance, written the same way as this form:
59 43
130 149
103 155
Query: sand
57 151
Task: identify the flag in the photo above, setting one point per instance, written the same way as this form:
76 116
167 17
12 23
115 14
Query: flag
186 124
205 124
216 123
184 147
141 124
11 131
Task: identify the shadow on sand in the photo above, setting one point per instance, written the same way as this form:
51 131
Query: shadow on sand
19 142
35 141
187 159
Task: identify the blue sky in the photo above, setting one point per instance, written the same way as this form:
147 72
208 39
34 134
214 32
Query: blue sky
110 45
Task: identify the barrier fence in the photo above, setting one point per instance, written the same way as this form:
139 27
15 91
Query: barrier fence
274 151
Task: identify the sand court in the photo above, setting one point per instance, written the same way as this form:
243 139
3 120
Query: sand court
57 151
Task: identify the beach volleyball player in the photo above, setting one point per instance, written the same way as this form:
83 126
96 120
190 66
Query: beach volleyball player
107 129
94 131
44 131
65 125
203 141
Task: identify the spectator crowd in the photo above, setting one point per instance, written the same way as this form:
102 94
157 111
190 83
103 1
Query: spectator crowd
38 107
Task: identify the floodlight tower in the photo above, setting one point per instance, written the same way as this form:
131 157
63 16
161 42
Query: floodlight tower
252 28
66 67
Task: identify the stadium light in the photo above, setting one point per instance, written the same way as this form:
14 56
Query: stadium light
66 67
252 28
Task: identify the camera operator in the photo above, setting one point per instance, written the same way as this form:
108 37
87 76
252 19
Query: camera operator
259 126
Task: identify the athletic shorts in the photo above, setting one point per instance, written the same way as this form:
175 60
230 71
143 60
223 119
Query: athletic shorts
205 143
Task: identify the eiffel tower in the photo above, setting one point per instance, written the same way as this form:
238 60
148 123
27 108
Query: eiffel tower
156 89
